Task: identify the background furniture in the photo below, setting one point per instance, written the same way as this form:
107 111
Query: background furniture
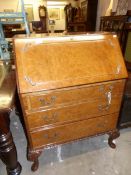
77 26
114 24
8 152
40 26
121 25
43 18
74 20
37 26
12 29
91 15
74 92
81 19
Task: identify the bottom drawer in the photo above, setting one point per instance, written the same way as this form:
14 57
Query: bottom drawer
73 131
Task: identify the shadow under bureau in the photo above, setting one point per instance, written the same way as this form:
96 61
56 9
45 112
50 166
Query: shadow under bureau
70 87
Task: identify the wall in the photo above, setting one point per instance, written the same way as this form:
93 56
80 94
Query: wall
104 9
80 1
59 23
114 5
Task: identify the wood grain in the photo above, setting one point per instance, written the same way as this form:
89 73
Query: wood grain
73 131
41 100
67 63
72 113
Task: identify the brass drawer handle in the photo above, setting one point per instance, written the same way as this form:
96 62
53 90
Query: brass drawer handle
44 102
53 136
53 118
108 101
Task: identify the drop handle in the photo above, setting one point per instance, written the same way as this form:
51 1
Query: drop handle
108 96
53 118
45 102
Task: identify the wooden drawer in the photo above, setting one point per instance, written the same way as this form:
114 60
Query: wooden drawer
72 131
74 112
69 95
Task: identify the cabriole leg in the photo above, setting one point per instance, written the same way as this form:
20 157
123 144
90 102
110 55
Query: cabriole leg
33 156
113 135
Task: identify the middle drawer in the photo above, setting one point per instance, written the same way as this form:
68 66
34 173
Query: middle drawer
73 112
37 101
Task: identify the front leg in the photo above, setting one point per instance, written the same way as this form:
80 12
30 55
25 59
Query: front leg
32 155
113 135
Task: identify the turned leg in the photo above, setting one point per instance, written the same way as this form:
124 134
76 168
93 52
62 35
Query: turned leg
8 152
113 135
33 155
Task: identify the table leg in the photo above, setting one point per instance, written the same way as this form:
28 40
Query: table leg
8 152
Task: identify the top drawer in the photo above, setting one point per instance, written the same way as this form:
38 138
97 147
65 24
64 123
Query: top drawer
34 101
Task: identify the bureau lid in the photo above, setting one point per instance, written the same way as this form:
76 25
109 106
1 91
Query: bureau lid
51 62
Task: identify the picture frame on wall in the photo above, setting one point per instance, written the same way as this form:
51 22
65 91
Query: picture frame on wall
29 12
54 13
84 5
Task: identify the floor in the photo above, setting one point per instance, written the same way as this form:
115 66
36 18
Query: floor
90 156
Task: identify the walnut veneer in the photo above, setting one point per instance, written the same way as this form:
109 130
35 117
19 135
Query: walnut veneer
70 87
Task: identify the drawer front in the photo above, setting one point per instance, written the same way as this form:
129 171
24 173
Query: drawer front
55 98
73 131
73 113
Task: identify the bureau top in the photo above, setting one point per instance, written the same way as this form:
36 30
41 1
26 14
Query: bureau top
57 61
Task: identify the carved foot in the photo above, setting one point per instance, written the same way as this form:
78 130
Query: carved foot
113 135
15 171
33 156
35 165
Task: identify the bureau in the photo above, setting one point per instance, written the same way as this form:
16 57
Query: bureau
70 87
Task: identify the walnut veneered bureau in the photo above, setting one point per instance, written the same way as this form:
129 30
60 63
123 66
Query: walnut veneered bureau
70 87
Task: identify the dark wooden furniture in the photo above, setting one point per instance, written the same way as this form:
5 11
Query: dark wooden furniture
77 26
37 26
115 24
43 18
8 152
91 14
73 19
40 26
70 87
12 29
76 22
